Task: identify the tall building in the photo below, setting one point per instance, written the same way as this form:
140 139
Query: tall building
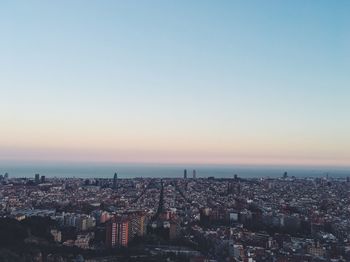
117 232
42 179
137 225
185 174
115 181
194 174
37 178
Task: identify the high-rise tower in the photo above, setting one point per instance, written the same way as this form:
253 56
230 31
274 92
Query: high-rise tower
37 178
117 232
115 181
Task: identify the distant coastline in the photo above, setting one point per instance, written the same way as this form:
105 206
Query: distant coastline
101 170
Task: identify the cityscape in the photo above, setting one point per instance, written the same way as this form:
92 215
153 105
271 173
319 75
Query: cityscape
188 218
175 131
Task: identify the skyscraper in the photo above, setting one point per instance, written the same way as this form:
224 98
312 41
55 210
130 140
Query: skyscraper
42 179
185 174
37 178
115 181
117 232
137 224
194 173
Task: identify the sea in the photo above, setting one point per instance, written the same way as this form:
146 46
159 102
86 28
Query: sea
127 170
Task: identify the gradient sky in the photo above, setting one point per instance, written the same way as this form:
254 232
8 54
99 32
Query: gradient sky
246 82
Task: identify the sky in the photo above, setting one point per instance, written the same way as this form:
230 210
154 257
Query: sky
221 82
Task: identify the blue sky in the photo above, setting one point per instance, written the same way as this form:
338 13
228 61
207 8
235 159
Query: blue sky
175 81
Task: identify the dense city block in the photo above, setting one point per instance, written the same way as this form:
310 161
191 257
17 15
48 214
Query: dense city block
174 219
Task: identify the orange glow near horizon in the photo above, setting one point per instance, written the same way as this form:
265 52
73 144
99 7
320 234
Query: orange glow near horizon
160 156
141 144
